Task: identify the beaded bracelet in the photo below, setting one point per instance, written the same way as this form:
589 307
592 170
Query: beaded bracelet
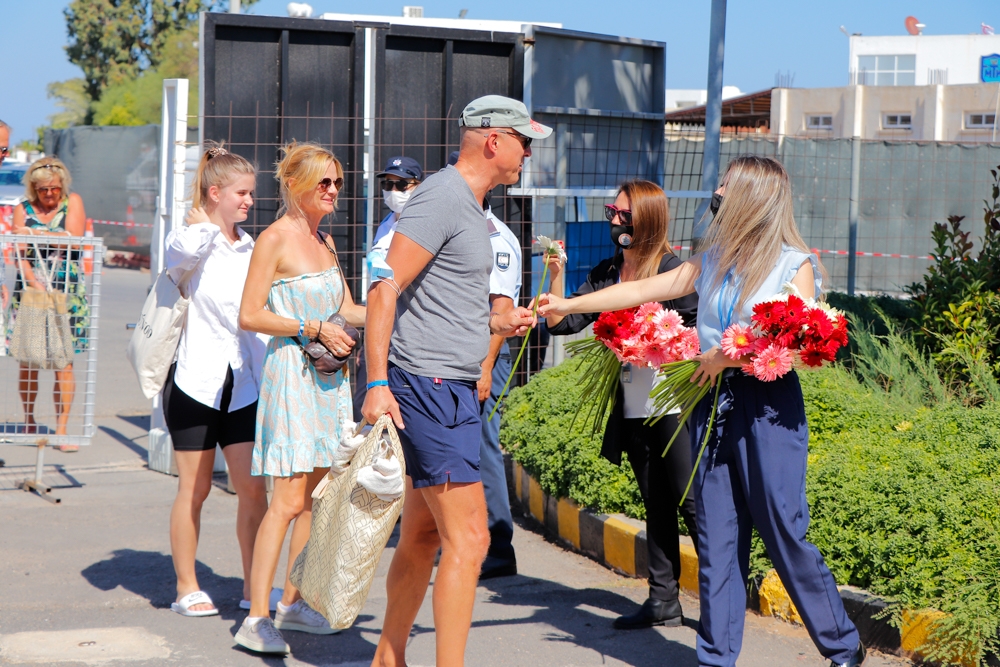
302 327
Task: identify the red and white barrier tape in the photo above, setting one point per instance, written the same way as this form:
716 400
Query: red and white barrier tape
888 255
123 224
859 253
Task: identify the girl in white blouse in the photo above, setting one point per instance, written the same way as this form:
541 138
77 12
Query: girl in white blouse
210 396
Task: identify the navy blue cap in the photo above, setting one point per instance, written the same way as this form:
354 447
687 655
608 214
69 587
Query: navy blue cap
453 158
404 167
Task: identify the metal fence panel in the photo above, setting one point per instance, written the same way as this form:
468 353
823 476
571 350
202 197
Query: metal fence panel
34 328
905 188
116 172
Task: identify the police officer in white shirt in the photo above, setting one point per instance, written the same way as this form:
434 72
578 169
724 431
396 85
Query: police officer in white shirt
400 178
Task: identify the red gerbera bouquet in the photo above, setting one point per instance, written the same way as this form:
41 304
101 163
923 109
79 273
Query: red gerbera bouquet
647 335
786 332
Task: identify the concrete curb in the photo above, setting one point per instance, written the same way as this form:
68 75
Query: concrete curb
617 543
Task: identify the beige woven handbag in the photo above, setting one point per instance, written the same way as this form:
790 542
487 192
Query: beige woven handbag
41 335
350 528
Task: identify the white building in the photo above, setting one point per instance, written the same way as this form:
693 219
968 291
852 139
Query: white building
680 98
921 60
962 113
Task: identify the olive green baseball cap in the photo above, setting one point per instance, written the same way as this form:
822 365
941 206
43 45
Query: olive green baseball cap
499 111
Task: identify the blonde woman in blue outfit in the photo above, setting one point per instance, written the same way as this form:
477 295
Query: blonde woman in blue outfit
294 284
753 472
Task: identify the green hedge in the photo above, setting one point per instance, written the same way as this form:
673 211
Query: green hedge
905 500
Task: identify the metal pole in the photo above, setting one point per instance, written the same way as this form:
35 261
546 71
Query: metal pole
90 394
713 115
234 6
852 215
173 161
370 167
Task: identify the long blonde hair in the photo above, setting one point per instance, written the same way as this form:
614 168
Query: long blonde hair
217 167
650 218
753 223
299 172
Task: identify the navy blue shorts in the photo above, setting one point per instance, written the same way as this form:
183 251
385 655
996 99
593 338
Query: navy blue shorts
441 438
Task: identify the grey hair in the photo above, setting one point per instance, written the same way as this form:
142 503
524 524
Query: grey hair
3 125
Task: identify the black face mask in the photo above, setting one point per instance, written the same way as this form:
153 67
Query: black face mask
716 203
622 235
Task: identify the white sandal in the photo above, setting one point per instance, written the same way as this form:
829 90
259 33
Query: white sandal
183 606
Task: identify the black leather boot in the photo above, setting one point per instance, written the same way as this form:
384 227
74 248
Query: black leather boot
494 567
652 612
856 660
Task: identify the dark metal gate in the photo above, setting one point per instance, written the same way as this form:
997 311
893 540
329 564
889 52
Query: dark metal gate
270 80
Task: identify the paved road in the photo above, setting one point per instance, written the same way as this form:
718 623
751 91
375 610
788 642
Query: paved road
90 581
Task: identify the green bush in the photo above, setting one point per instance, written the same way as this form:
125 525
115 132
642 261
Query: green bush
957 307
566 461
904 498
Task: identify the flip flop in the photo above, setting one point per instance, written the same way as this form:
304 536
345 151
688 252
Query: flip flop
183 607
276 594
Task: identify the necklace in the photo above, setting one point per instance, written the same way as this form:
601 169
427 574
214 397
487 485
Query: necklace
298 228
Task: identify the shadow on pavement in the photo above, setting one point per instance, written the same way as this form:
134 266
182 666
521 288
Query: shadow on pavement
570 613
150 574
128 442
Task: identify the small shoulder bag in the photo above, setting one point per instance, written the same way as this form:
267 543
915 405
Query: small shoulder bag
322 359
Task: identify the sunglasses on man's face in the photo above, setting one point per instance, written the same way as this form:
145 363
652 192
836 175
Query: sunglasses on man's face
401 186
610 211
4 151
523 140
327 183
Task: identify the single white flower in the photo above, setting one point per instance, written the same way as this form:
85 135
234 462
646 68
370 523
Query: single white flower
551 247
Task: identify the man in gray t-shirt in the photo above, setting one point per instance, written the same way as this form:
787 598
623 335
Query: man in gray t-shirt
442 319
434 287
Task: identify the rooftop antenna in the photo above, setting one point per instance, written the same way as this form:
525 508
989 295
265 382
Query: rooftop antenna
913 26
844 30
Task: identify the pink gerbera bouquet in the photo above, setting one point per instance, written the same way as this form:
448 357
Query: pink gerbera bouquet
648 335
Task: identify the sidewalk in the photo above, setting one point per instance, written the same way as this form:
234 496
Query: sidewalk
97 569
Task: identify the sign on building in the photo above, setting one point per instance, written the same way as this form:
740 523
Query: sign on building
990 72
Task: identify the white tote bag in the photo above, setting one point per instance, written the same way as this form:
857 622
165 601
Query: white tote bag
157 333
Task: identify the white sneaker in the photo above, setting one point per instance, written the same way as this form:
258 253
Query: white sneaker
261 637
303 618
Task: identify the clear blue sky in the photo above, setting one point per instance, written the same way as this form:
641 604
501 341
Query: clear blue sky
762 36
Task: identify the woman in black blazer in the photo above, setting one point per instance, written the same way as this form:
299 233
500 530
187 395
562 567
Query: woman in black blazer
638 220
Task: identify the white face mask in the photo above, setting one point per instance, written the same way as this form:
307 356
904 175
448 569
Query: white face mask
395 199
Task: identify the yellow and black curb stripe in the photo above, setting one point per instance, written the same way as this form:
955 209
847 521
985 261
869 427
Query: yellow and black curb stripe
620 545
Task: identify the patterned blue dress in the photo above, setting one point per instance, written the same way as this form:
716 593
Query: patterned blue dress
300 411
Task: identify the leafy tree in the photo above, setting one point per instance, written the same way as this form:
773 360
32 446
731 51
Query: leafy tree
138 101
113 41
71 96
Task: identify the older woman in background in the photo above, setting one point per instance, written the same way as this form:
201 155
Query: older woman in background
50 209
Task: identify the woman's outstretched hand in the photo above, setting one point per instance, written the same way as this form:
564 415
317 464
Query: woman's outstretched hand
550 304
